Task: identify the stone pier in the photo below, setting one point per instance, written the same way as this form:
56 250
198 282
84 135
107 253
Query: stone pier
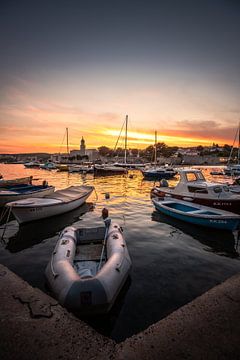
35 326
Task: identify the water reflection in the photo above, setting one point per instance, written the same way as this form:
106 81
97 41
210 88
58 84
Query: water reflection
173 262
35 232
220 242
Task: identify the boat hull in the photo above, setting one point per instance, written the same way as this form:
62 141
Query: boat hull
224 223
157 176
232 205
88 295
4 199
109 172
33 213
14 182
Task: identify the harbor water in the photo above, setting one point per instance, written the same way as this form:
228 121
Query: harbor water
172 262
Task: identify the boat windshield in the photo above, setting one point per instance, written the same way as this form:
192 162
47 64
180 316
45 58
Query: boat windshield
194 176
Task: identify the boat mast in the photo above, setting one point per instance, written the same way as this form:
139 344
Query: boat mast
238 142
155 150
126 128
67 141
230 156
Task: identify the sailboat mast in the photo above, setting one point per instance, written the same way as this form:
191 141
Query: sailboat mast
126 129
238 142
67 141
155 152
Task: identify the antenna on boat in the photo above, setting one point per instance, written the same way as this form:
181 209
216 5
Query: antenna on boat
126 129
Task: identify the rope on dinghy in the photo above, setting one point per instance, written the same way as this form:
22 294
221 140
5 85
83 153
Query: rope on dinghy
6 224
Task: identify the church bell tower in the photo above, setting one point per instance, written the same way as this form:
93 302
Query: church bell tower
82 147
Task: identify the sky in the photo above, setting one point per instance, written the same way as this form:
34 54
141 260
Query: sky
173 66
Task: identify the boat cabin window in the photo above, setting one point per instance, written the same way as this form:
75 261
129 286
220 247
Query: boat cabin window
197 189
217 189
194 176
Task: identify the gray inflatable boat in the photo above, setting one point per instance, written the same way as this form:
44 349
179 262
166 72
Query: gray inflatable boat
88 268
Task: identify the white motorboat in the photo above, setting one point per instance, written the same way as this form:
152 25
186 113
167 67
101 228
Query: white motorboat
32 164
89 267
193 186
59 202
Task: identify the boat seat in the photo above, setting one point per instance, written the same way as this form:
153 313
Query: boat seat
199 211
85 273
90 252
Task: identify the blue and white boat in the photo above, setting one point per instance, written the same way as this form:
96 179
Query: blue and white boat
198 214
19 192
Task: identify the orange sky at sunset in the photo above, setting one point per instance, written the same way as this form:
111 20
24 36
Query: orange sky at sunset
32 122
85 67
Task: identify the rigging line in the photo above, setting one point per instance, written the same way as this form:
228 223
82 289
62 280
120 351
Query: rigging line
232 147
62 141
119 135
238 141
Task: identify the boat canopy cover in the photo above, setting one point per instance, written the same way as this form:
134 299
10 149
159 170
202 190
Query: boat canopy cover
69 194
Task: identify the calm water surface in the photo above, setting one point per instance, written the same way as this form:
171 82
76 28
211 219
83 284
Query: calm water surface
173 262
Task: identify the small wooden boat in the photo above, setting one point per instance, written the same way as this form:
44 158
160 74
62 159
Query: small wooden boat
59 202
13 182
88 268
198 214
19 192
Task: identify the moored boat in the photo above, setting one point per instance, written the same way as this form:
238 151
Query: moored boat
158 173
88 268
20 192
32 164
59 202
232 170
48 166
13 182
80 169
193 186
198 214
103 170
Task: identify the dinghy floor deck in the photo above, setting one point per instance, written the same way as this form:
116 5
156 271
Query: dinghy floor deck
88 252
